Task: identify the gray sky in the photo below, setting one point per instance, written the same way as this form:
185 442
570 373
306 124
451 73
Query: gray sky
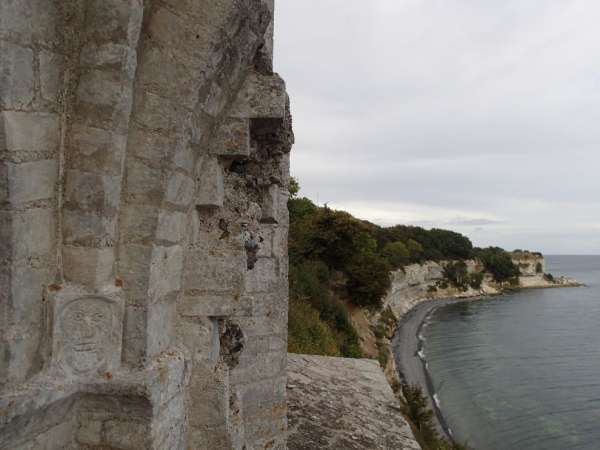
481 116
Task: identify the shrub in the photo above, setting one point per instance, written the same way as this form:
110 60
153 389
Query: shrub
309 284
307 333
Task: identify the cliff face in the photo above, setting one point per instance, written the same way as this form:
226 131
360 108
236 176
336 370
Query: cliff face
144 156
418 282
529 264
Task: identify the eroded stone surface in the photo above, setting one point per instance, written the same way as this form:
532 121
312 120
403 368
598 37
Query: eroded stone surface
143 146
343 403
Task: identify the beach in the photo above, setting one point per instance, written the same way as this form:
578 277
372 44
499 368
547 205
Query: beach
406 347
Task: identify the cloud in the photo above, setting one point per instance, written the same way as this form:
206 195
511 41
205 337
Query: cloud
475 116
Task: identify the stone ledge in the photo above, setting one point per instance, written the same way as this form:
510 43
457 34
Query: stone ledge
336 403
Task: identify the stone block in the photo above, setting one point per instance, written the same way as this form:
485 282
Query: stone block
16 76
31 181
88 266
50 75
91 191
87 330
184 156
168 376
270 204
209 392
232 139
266 393
159 68
266 237
171 226
139 223
215 101
103 99
144 180
158 114
263 277
27 234
127 434
114 20
30 21
26 294
179 33
29 131
134 268
92 149
89 431
88 228
103 55
180 189
207 305
166 268
134 334
261 96
213 272
200 335
58 437
160 327
261 325
169 427
211 191
267 303
149 145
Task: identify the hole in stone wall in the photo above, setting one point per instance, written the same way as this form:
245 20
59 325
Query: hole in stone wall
238 167
232 342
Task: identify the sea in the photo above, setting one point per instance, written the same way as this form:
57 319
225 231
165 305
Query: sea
522 370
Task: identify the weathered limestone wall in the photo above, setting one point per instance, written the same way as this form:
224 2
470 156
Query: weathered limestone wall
144 161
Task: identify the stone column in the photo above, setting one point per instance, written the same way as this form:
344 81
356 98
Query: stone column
31 112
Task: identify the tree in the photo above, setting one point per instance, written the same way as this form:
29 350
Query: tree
293 187
456 273
396 253
368 279
498 262
415 249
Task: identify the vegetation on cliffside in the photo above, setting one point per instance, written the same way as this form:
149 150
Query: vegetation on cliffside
337 259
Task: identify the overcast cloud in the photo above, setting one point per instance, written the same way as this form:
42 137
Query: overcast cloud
481 116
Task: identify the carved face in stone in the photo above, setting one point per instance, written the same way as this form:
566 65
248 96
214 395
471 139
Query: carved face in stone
86 327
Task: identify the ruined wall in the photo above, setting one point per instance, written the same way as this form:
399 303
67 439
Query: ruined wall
144 158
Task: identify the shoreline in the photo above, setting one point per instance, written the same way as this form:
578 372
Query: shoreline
406 346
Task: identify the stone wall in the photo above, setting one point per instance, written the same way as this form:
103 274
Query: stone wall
144 161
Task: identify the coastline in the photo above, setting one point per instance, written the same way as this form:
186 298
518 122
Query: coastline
406 345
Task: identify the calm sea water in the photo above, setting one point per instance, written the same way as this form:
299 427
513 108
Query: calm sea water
522 371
